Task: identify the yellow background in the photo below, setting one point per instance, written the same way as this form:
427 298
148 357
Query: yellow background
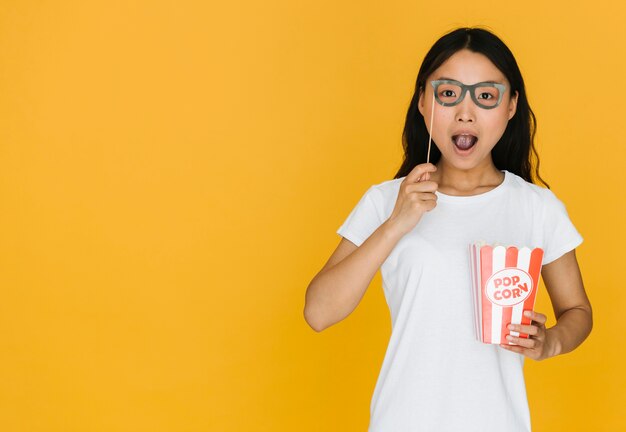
172 175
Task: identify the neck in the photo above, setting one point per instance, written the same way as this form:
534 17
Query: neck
473 181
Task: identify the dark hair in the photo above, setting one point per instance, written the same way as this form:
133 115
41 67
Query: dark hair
515 151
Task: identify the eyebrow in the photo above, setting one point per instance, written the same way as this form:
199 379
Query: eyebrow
488 81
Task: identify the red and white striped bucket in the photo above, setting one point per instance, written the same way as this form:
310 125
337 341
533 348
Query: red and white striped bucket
505 282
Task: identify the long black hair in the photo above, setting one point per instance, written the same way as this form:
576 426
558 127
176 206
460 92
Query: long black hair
515 151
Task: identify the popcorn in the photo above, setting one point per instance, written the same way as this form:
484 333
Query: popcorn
504 285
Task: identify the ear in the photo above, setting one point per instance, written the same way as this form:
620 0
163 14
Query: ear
420 102
513 105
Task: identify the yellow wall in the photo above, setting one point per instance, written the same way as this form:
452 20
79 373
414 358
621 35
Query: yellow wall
172 175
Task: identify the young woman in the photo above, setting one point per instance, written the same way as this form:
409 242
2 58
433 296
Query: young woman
416 228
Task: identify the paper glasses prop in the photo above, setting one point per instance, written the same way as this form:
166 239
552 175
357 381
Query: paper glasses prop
486 95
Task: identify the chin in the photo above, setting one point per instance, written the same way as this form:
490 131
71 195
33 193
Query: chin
463 163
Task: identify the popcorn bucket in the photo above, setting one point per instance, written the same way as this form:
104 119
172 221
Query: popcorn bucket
504 285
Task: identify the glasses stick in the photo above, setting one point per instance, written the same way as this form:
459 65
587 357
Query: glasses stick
432 117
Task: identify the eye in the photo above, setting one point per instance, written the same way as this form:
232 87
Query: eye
447 93
485 95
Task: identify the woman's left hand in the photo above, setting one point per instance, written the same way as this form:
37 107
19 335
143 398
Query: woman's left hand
539 345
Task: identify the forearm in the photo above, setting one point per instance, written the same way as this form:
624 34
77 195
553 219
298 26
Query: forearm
333 294
571 329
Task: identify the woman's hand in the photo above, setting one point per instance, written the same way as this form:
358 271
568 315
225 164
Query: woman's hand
415 197
539 345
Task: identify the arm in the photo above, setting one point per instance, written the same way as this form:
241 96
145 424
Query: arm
338 288
571 308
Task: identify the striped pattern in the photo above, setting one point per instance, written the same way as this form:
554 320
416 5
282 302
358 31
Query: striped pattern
491 319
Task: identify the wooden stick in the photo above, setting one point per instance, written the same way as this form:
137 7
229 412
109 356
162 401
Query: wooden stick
432 117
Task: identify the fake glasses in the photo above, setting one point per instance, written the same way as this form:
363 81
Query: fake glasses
486 95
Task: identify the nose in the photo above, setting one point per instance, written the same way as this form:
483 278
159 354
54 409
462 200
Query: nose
465 109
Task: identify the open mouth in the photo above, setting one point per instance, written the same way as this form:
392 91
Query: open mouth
464 142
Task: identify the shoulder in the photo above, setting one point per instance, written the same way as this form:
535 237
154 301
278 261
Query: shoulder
388 185
520 185
386 190
535 195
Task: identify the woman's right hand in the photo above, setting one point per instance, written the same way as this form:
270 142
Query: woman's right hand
415 197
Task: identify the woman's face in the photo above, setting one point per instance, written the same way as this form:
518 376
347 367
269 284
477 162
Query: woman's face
454 126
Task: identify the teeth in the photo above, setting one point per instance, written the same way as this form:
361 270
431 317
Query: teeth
464 142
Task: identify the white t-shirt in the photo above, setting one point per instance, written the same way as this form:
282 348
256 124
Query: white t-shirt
435 375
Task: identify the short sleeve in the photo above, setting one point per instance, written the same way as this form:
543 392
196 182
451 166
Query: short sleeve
364 219
560 235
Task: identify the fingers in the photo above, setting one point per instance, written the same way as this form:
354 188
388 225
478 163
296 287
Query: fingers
523 342
514 348
427 196
415 197
526 329
423 186
536 345
418 171
537 328
422 193
536 317
429 204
